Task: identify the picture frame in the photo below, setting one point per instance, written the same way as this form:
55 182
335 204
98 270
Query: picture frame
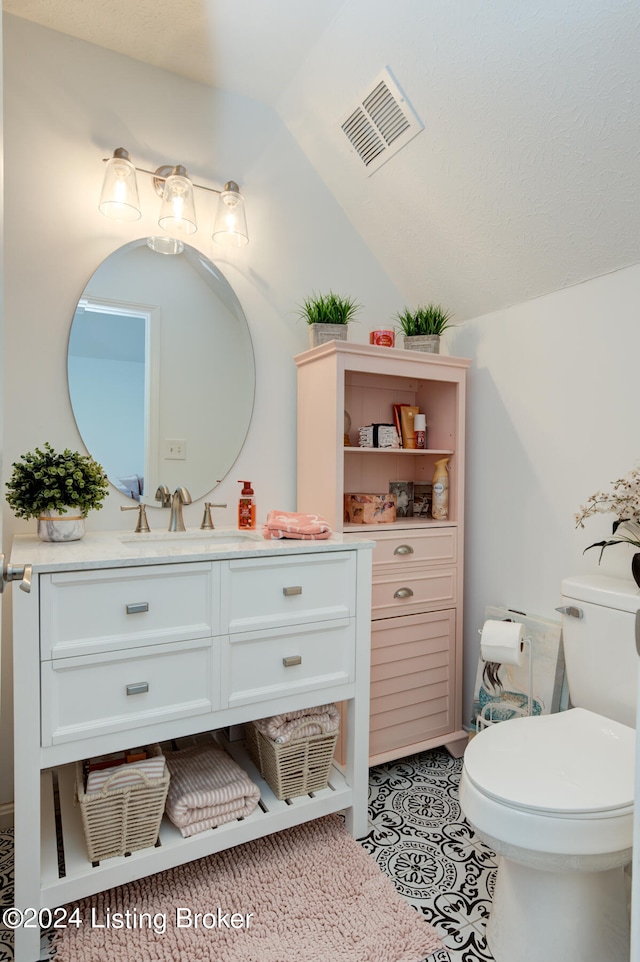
403 491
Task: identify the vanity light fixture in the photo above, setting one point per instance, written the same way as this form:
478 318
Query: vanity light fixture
177 216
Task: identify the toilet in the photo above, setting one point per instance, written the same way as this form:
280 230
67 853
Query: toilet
552 795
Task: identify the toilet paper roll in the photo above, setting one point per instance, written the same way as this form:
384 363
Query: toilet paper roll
502 642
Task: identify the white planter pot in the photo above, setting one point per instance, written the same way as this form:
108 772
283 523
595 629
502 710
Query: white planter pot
423 342
64 525
321 333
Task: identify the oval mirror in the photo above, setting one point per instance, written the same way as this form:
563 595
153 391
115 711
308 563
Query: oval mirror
161 371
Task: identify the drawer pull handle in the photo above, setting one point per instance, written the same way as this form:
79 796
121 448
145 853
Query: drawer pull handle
294 590
134 609
403 549
292 660
403 593
138 689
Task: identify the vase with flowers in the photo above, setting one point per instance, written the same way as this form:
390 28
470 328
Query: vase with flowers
623 500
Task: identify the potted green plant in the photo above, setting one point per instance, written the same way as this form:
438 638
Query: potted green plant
57 489
328 316
423 326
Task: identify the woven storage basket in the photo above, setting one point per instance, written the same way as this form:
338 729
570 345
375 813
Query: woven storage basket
125 818
295 768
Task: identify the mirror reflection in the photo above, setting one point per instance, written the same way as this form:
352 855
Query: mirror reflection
161 371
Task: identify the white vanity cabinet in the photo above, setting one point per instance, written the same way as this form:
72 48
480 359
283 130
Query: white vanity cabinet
118 645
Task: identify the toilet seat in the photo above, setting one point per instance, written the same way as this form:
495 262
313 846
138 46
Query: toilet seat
573 764
560 784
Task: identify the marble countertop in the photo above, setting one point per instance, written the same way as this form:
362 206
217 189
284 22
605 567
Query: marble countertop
126 549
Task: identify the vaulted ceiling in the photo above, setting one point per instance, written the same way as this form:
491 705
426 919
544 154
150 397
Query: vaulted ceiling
525 178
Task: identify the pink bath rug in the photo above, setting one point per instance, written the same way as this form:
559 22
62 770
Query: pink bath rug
307 894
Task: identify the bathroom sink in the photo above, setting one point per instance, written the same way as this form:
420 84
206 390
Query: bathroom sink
226 535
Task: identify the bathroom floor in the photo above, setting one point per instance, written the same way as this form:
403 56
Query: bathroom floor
418 836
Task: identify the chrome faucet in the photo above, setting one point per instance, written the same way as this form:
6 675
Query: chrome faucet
180 496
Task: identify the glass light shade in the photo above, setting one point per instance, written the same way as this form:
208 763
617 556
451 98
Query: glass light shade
119 197
230 226
164 244
178 211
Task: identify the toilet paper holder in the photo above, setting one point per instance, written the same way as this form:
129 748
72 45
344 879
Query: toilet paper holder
487 715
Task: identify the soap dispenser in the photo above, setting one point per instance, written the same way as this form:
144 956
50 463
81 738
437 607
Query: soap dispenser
246 507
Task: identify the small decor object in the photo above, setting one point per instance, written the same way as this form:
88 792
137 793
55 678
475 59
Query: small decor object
624 502
403 491
423 326
383 337
378 436
370 508
422 500
347 429
328 316
58 490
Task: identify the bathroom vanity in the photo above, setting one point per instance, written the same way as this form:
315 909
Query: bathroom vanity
416 631
122 640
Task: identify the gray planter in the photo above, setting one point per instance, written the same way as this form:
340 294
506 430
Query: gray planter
423 342
321 333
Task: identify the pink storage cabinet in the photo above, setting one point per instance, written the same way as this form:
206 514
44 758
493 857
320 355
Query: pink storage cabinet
417 591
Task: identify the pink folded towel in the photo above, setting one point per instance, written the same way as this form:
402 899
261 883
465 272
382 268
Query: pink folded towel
294 524
299 724
207 788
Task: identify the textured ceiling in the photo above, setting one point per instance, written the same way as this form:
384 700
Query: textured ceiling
248 46
525 178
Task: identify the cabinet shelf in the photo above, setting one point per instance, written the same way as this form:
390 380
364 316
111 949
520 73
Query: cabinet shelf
400 523
401 451
67 873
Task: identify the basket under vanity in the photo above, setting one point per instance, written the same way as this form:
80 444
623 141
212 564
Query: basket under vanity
416 629
121 641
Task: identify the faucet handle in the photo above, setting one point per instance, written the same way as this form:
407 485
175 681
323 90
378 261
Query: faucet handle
207 520
143 524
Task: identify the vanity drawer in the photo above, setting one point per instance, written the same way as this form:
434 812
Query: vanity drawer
437 546
410 592
116 608
89 695
265 593
261 665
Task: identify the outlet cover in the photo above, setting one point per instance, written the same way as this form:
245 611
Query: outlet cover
175 450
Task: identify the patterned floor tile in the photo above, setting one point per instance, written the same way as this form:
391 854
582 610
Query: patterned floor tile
420 838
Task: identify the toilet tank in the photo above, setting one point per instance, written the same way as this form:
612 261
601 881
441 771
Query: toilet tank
599 637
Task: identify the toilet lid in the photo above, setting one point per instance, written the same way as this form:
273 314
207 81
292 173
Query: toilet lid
571 763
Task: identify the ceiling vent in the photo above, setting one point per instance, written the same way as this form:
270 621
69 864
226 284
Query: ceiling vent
381 124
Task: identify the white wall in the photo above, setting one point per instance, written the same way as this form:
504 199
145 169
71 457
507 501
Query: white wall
68 105
552 418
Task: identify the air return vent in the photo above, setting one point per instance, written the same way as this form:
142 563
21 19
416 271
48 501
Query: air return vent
381 124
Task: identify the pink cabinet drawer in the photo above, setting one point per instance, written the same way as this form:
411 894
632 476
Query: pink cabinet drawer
434 547
412 591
